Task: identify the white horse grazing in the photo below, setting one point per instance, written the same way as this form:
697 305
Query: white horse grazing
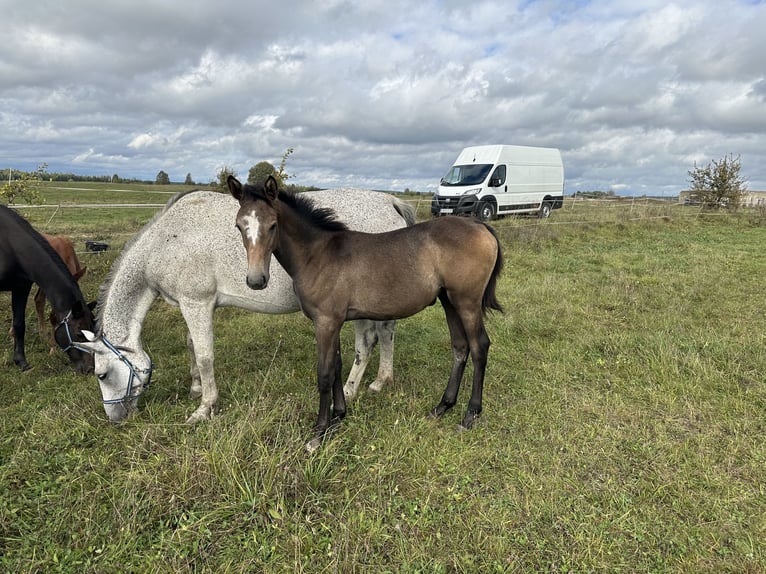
192 255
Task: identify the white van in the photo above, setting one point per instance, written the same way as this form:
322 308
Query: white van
493 180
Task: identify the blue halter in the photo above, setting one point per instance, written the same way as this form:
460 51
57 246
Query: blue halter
71 343
134 374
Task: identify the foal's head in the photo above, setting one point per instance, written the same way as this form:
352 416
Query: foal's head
257 222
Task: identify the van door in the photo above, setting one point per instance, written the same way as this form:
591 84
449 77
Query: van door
499 186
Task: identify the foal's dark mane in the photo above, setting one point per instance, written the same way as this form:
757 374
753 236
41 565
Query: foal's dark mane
322 217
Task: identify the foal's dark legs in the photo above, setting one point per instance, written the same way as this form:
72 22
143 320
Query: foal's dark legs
479 351
460 356
466 333
329 383
19 297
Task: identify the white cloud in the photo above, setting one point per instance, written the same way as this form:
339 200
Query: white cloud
385 94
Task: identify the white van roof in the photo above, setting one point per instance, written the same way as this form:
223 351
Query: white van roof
510 154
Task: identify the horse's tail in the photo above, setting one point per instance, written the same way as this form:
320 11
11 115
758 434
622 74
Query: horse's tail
405 210
489 301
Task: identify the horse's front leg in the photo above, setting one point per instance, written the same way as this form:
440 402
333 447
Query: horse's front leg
328 381
199 320
19 297
195 389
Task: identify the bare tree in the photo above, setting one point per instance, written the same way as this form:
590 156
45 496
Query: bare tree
718 184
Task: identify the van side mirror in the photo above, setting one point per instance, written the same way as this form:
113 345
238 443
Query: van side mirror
494 182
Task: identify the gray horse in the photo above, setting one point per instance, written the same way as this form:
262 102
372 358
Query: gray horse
192 255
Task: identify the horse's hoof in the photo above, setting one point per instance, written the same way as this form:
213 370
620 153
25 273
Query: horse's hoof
469 421
377 385
438 411
198 417
24 366
313 445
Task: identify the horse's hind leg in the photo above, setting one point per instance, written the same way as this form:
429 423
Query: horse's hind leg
385 330
365 338
366 334
19 297
459 354
479 344
41 328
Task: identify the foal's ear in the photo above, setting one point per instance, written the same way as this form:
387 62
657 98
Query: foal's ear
235 188
270 188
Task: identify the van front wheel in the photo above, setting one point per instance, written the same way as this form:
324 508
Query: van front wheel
486 211
545 210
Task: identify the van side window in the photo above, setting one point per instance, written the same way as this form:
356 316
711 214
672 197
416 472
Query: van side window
498 176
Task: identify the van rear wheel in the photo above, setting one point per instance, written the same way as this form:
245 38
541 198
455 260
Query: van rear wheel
545 210
487 211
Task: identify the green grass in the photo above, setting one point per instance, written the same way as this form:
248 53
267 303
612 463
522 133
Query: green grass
622 432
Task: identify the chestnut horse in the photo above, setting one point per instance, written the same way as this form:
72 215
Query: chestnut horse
340 275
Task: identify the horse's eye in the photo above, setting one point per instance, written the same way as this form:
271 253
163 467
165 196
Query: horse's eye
101 376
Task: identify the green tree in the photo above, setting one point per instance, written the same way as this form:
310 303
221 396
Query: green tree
718 184
162 178
260 171
25 187
188 180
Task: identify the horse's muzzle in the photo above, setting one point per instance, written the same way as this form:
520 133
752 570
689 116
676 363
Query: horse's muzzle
257 281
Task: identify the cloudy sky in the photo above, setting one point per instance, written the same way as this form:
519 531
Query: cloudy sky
383 94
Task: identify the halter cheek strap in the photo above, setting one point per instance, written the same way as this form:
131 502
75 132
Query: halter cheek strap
71 343
134 374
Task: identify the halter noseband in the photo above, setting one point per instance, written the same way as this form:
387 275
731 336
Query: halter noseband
134 374
71 343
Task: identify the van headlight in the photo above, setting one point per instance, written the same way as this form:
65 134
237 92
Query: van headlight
473 191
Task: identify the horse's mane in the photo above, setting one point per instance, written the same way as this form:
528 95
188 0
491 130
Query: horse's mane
106 285
37 237
322 217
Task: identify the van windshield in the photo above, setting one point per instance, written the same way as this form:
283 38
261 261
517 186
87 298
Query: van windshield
471 174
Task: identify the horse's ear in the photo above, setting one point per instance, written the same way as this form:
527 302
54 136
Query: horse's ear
271 188
89 335
92 305
235 188
80 273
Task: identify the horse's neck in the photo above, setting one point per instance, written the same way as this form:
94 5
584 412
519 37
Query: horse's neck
126 302
296 242
57 283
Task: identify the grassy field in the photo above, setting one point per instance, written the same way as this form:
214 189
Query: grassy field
623 426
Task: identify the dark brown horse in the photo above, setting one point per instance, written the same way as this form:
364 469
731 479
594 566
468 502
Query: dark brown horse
27 258
340 275
65 248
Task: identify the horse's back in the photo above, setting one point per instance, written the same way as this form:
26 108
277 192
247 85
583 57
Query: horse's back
193 250
65 248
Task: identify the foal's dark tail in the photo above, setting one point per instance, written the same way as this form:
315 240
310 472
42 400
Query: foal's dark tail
489 301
